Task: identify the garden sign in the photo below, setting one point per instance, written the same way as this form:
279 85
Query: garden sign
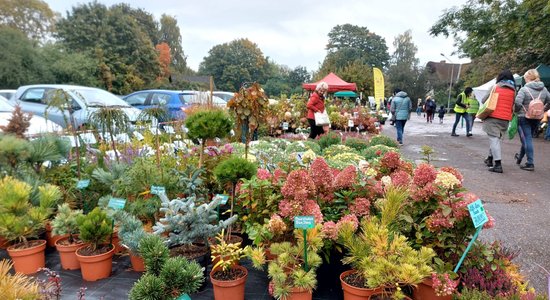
479 217
304 223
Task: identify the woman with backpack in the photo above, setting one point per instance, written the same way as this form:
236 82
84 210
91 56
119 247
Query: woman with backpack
531 102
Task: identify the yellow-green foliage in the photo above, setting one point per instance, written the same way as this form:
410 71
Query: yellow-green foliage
19 219
228 254
16 286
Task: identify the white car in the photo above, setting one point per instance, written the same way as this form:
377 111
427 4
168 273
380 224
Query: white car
7 93
198 97
38 125
83 101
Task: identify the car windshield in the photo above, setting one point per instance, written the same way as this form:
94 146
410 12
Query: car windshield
5 106
97 97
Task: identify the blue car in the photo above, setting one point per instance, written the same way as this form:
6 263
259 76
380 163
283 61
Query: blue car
175 102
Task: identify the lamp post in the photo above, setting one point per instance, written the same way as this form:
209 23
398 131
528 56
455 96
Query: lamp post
450 83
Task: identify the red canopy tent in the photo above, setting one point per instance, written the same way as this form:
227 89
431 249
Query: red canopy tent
334 82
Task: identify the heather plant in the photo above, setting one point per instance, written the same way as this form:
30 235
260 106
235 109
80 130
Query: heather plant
329 139
303 146
381 139
376 151
335 149
357 143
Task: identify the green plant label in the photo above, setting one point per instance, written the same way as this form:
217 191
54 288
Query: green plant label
157 190
477 213
223 198
116 203
304 222
285 125
82 184
184 297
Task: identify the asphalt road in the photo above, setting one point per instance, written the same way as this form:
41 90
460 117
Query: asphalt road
518 200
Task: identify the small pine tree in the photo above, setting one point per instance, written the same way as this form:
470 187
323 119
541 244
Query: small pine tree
65 221
19 123
154 253
95 227
148 287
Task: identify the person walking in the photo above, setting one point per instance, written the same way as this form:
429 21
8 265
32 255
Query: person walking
528 124
315 104
496 124
441 113
429 108
419 107
460 109
473 108
401 106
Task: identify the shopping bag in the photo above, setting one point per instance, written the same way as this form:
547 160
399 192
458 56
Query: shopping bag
321 118
489 106
513 127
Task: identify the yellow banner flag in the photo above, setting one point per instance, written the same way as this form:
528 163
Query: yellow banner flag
378 87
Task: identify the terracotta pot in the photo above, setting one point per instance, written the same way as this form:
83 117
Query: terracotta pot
116 243
67 254
229 290
425 291
355 293
137 263
50 238
299 294
4 243
29 260
95 267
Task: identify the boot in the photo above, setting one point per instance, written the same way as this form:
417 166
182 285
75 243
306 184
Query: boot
489 161
518 160
497 168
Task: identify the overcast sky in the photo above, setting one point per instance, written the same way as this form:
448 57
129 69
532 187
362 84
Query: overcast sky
293 32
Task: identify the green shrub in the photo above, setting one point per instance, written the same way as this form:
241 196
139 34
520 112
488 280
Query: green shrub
233 169
208 124
181 275
95 227
154 253
303 146
149 287
383 140
357 143
130 230
65 222
377 151
326 140
333 150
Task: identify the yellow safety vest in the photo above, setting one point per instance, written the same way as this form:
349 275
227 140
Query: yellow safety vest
460 109
474 106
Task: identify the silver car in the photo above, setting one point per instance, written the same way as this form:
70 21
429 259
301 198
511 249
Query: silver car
84 101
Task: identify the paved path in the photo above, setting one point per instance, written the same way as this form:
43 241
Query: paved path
518 200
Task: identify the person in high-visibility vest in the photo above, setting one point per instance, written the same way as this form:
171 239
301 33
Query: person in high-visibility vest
460 109
473 107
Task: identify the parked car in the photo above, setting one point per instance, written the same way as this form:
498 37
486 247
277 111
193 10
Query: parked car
173 101
84 101
7 93
226 96
199 97
38 125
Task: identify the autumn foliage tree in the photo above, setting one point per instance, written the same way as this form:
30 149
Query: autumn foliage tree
18 123
164 59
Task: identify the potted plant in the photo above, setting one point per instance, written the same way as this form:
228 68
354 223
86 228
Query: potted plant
165 278
382 260
131 232
188 226
17 286
65 224
96 258
227 276
21 221
206 125
229 172
291 277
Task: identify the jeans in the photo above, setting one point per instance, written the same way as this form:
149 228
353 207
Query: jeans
472 119
466 117
400 126
526 128
418 111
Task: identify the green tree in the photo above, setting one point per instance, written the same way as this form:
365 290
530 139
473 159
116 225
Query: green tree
361 74
69 67
19 60
127 59
170 33
348 43
32 17
404 71
144 19
510 33
232 64
298 76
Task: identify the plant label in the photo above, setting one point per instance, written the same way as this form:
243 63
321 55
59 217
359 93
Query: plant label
82 184
350 123
157 190
304 222
477 213
116 203
299 158
356 114
223 198
285 125
169 129
184 297
138 136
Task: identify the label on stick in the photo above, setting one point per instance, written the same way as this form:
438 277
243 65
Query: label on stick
304 222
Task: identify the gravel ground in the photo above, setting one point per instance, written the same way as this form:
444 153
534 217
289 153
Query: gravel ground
515 198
